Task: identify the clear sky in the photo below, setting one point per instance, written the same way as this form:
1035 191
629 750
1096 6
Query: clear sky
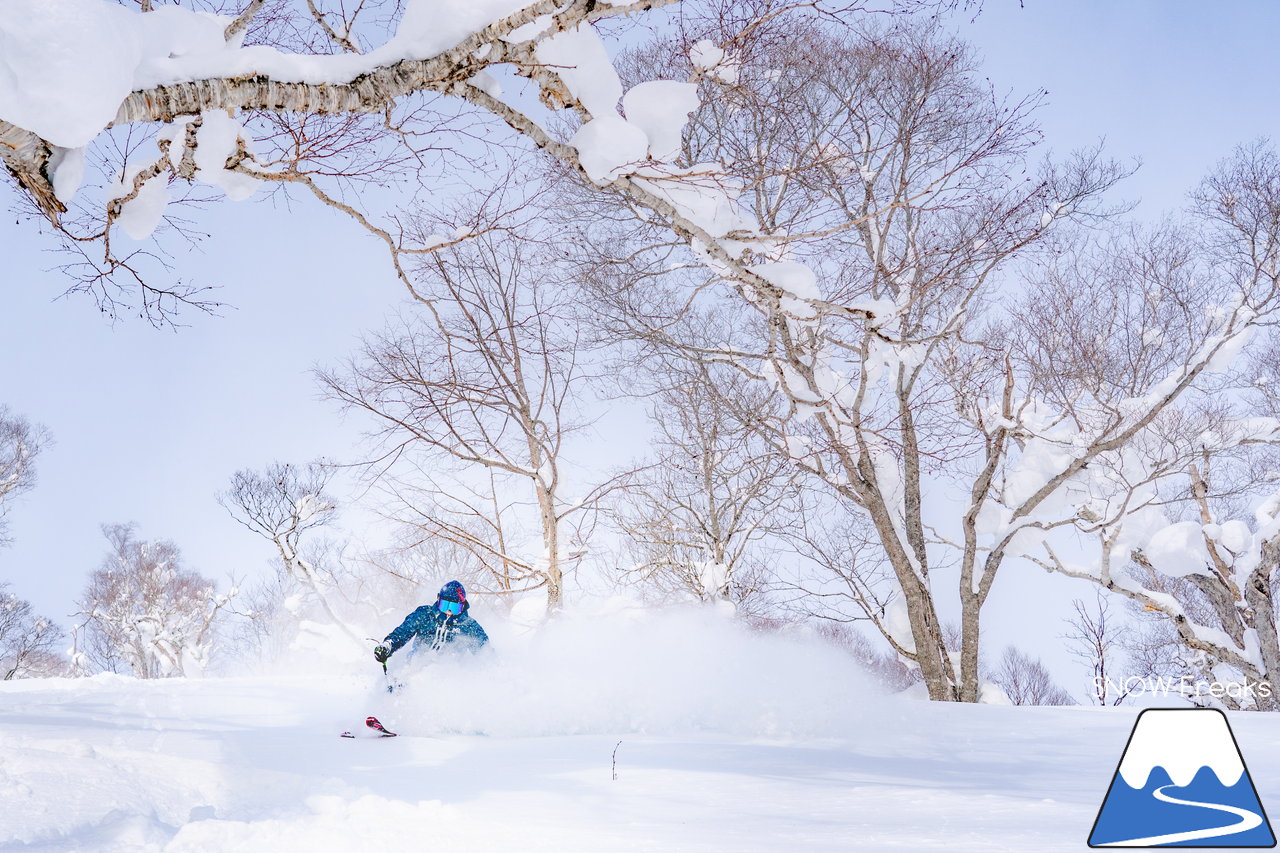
149 424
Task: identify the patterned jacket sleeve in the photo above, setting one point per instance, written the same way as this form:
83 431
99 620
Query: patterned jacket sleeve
475 634
408 628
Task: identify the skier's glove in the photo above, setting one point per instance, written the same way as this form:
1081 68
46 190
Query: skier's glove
381 653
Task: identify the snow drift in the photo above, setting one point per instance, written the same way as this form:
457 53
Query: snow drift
622 668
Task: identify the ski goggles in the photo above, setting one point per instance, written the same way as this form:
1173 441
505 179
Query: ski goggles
451 607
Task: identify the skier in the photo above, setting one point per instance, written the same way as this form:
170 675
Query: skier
445 623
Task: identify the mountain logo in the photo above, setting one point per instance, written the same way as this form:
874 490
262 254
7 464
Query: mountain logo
1181 782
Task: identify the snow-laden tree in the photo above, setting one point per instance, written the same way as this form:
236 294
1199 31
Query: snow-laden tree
957 360
144 612
1211 578
1142 410
113 111
28 643
473 395
20 442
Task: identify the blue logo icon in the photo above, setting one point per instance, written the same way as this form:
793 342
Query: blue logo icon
1181 783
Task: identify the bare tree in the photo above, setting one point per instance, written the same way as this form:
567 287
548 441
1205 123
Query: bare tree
20 443
282 504
144 611
258 609
1094 638
466 528
485 379
1026 681
27 641
700 518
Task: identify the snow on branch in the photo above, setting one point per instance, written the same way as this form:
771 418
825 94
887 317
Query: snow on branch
81 66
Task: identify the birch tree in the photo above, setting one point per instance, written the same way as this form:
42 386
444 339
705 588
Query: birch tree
886 191
888 333
138 108
706 516
1149 416
485 377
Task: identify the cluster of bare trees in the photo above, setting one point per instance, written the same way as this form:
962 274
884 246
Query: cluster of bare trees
28 642
141 612
891 341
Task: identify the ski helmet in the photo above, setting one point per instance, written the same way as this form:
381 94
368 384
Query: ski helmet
453 591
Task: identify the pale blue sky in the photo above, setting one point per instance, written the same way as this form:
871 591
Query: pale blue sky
150 424
1174 82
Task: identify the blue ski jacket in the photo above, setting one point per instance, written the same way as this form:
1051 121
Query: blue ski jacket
431 629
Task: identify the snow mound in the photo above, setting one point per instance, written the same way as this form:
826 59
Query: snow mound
661 109
65 66
606 145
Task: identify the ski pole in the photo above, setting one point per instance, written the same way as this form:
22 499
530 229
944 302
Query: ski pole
386 675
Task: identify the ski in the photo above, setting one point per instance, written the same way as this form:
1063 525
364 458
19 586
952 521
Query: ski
376 725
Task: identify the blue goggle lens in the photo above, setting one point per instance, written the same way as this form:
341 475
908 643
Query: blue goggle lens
452 607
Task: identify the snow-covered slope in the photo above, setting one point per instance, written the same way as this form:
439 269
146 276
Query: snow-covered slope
112 764
516 754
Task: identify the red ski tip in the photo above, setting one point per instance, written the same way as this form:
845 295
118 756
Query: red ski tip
373 723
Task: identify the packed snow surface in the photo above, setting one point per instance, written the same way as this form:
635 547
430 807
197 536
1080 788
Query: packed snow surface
724 739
